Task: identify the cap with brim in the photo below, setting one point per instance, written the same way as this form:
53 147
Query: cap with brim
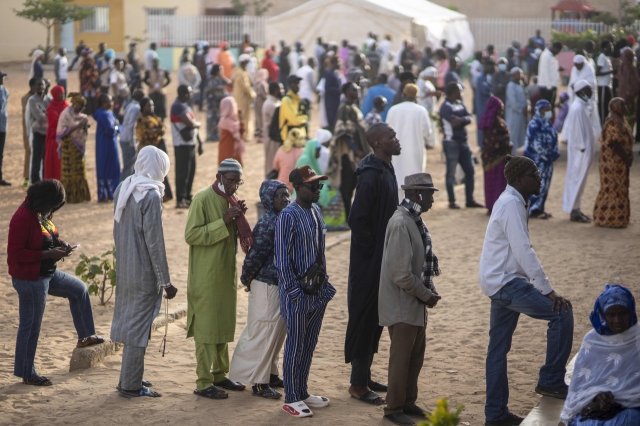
305 174
419 181
2 74
293 79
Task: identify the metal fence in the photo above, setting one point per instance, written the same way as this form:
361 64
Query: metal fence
176 30
501 32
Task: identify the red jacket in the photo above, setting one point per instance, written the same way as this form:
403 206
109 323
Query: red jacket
24 249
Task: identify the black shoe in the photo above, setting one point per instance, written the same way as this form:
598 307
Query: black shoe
416 411
399 419
453 205
474 205
4 183
182 205
510 420
559 392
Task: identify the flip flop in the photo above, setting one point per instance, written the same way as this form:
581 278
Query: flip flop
144 391
316 401
297 409
230 385
144 383
580 219
370 398
37 381
266 392
212 392
377 387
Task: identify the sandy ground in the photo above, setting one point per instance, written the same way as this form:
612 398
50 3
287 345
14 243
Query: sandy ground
579 260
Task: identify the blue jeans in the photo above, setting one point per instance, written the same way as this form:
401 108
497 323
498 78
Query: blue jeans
32 296
627 417
459 152
128 153
516 297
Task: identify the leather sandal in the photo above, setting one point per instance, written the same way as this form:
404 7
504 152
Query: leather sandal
88 341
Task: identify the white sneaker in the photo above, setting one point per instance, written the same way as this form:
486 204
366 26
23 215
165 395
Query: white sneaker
297 409
317 401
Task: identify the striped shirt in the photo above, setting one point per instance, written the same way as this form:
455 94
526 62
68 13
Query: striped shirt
296 249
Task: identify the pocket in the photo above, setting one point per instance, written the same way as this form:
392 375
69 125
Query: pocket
502 297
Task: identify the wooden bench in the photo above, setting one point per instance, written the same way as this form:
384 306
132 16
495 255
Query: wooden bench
547 410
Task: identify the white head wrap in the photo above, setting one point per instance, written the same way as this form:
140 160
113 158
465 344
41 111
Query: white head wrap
515 70
578 59
34 56
244 58
152 166
579 85
431 72
323 136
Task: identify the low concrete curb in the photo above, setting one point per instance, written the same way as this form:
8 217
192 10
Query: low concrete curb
338 240
90 356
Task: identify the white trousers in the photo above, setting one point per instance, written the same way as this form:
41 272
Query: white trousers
258 349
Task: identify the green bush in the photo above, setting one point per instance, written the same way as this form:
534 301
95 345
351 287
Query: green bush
441 416
576 41
96 271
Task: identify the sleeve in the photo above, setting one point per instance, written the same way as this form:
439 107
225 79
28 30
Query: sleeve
397 262
200 233
168 77
362 230
446 113
484 88
198 81
153 233
287 281
19 235
113 78
35 112
367 104
426 125
105 124
290 116
514 229
259 252
141 132
56 68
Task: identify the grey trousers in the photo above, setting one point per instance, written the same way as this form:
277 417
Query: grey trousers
132 368
406 355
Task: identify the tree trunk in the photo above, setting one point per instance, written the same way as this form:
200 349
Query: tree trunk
46 49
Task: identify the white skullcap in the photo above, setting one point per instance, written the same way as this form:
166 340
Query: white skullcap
244 58
323 136
249 49
578 59
431 72
580 84
515 70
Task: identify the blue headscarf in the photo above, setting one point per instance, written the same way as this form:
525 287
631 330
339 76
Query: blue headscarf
613 295
541 142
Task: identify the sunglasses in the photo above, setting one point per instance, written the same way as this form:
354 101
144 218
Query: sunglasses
314 187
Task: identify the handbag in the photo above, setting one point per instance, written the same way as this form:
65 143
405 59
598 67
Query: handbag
316 276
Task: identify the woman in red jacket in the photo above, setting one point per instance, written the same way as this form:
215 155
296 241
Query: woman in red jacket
32 253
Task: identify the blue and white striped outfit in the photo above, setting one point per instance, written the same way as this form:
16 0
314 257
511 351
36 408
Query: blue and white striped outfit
296 248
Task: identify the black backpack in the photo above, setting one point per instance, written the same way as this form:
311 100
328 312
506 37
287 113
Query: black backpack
274 126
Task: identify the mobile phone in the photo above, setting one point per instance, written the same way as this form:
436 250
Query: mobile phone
75 247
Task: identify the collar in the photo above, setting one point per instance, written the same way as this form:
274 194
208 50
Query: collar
414 206
273 98
511 190
293 96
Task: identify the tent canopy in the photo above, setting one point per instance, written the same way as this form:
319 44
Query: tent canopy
335 20
573 5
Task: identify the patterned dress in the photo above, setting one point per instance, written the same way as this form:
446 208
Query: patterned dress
495 146
612 204
89 84
150 131
214 92
73 173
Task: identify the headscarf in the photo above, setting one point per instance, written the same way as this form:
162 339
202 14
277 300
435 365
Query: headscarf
580 84
77 100
323 136
229 116
34 57
143 102
54 110
613 295
628 79
244 229
271 66
261 78
295 139
494 105
308 158
152 166
616 119
109 54
541 142
516 166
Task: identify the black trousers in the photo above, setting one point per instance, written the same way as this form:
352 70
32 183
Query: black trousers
604 97
548 94
347 183
185 170
3 138
167 187
37 156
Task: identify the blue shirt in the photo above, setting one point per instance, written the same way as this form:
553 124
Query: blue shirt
4 101
448 110
378 90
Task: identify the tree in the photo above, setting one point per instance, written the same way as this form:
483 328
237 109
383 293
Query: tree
51 12
260 7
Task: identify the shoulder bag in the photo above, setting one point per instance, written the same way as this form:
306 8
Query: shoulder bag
316 276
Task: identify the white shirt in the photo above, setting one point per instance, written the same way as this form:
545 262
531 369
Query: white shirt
475 69
507 252
307 84
149 56
63 67
548 75
605 65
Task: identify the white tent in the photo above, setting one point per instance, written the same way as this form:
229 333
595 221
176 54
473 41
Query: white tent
423 22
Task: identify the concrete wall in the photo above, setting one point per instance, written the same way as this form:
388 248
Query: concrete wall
18 36
115 37
538 9
279 6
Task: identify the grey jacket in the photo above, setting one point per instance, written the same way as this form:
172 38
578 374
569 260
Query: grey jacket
37 107
400 278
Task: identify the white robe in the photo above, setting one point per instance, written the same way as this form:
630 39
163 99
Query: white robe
581 130
586 73
413 128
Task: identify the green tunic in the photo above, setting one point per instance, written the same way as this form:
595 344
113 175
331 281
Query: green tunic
212 277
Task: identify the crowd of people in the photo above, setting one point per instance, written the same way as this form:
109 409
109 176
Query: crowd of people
364 170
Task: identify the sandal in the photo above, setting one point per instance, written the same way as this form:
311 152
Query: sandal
88 341
542 215
297 409
230 385
212 392
581 219
144 383
377 387
144 391
37 381
266 392
371 398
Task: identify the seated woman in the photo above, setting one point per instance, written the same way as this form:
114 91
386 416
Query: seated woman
605 388
33 250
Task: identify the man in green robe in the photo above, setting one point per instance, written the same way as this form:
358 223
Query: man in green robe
215 219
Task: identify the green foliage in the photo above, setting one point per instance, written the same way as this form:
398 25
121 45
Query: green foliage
96 272
441 416
630 13
51 12
260 7
48 51
576 41
452 7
